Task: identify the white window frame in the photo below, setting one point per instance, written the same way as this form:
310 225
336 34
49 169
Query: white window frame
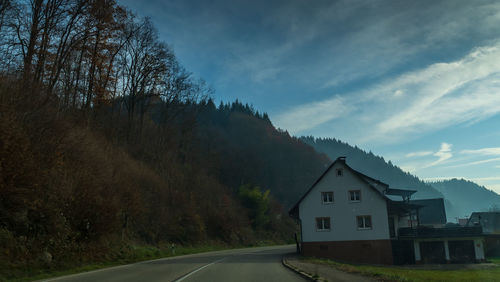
330 200
364 225
353 192
322 227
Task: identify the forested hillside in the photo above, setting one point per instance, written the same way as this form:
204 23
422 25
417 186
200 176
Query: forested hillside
467 196
108 143
248 149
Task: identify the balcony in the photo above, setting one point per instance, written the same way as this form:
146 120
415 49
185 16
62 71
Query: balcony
444 232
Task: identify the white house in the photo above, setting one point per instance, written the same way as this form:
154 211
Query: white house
349 216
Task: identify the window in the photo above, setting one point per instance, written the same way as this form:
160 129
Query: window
322 224
354 195
364 222
327 197
340 172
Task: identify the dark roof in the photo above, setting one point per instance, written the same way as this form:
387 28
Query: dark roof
377 185
400 192
490 221
401 207
432 211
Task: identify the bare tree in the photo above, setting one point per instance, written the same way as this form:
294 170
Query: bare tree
144 68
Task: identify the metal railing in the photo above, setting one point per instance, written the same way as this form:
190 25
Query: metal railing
431 232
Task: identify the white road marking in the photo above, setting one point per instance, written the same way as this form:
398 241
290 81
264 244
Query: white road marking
85 273
198 269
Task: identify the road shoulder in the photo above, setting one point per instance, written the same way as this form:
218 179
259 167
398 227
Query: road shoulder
319 272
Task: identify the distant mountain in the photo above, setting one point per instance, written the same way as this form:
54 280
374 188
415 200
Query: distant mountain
378 168
461 197
373 166
467 196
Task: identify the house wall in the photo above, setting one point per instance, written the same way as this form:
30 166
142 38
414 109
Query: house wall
343 213
362 251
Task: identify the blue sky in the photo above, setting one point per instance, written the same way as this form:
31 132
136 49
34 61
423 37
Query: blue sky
417 82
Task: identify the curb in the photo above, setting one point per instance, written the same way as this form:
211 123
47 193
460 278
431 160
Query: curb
305 275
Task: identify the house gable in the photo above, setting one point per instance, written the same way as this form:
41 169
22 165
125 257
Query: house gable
375 184
344 211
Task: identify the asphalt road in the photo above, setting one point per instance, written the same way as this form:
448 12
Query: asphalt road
241 265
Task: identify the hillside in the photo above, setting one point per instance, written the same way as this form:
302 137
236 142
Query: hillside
377 167
467 196
374 166
461 197
108 145
245 147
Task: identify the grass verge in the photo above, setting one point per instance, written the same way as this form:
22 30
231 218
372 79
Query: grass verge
397 273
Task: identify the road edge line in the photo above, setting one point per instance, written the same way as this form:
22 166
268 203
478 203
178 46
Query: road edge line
198 269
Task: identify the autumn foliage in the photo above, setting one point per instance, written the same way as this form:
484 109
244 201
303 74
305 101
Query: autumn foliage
107 141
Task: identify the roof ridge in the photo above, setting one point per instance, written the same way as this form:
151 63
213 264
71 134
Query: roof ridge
357 173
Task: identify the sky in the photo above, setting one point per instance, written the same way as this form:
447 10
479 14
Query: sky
417 82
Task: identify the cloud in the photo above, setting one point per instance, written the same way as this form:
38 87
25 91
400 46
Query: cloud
440 95
333 42
443 94
311 115
443 154
485 161
495 151
466 163
397 36
419 154
398 93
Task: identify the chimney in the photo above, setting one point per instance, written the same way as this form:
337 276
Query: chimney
341 159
